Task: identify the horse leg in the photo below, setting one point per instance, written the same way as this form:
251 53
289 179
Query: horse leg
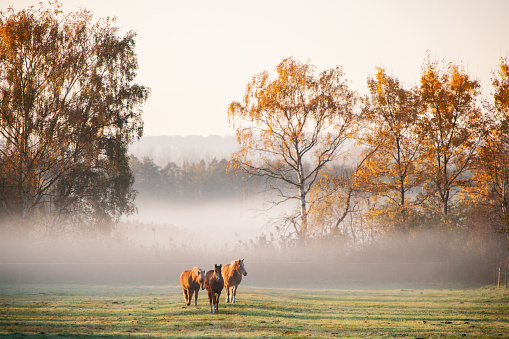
191 291
214 302
186 296
227 297
210 301
216 305
234 293
196 297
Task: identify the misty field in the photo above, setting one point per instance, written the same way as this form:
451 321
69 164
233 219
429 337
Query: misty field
36 310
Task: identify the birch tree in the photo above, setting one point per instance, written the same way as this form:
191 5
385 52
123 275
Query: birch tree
491 175
289 128
393 147
69 107
453 128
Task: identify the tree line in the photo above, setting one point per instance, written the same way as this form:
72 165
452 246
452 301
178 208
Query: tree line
191 181
433 156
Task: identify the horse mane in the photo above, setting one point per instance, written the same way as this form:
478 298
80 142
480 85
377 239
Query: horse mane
232 267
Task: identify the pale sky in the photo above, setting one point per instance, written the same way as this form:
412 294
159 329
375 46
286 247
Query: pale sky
198 56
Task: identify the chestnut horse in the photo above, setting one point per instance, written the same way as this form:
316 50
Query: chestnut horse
191 281
214 284
232 275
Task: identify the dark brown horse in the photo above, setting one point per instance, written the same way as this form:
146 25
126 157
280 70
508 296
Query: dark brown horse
232 275
191 281
214 285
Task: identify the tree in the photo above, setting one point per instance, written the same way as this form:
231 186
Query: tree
453 129
334 198
172 175
69 107
149 177
393 145
289 128
492 163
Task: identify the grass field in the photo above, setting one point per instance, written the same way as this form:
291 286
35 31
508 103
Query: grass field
57 311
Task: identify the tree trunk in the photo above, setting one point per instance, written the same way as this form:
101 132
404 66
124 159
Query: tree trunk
303 213
302 198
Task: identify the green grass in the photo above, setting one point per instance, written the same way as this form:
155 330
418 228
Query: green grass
57 311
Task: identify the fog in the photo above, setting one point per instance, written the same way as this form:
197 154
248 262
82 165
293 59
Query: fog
164 239
204 223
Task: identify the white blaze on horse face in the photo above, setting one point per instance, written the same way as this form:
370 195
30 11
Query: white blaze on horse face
242 267
218 273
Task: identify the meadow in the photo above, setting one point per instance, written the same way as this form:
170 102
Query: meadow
60 311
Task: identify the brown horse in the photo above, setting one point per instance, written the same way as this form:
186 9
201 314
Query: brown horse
191 281
232 275
214 284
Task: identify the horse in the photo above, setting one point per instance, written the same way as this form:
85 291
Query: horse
214 284
232 275
191 280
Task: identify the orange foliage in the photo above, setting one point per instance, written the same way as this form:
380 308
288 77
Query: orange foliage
453 128
393 146
288 128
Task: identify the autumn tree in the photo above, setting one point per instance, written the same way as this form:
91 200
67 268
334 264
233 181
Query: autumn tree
290 128
453 130
335 199
492 163
69 107
391 169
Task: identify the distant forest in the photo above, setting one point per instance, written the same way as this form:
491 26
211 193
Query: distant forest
199 180
164 149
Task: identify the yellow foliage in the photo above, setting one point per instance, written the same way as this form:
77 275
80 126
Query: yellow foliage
491 175
286 122
501 84
391 159
452 127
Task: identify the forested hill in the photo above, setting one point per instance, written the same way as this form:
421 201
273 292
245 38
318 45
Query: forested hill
178 149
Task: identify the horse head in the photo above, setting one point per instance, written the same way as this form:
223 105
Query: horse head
241 267
217 272
199 276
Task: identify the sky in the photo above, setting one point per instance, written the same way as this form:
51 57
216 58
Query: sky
198 56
